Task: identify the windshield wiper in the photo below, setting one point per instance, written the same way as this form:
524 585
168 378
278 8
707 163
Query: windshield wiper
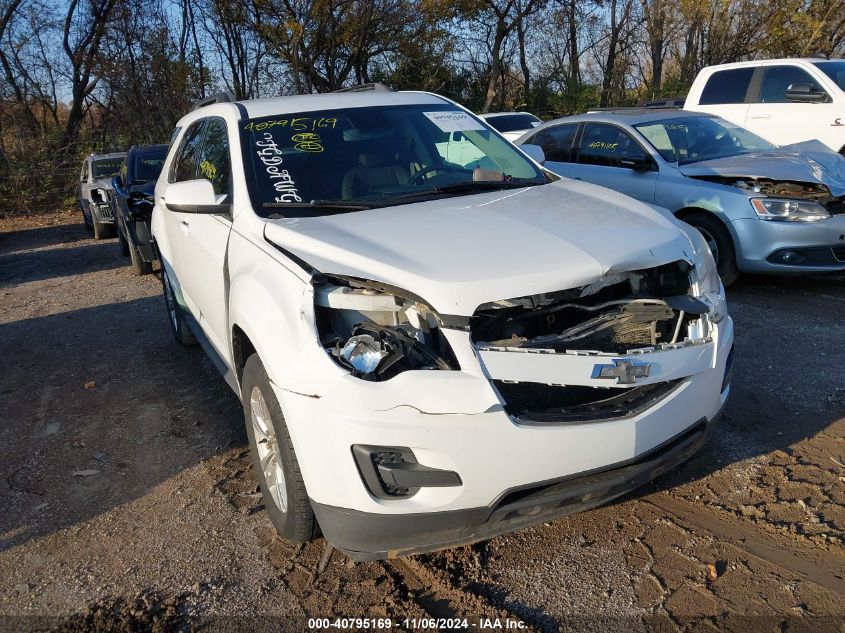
461 187
319 204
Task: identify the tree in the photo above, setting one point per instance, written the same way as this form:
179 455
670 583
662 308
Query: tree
84 26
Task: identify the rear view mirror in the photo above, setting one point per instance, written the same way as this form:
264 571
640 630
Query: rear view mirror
534 152
805 93
195 196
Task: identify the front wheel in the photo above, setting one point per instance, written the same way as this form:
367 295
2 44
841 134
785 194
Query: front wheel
181 332
273 457
720 243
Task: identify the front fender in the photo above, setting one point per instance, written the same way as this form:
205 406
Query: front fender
274 309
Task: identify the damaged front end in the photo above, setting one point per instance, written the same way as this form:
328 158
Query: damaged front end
549 356
808 197
376 331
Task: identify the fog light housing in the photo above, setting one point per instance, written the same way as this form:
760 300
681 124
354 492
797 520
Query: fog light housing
393 472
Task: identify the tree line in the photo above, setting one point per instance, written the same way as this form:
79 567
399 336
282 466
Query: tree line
97 75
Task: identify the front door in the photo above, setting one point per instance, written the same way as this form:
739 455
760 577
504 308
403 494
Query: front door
202 263
607 156
785 122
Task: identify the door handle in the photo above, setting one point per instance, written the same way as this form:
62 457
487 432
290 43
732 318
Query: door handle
761 116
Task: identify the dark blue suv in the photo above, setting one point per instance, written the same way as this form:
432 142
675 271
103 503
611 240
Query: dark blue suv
134 187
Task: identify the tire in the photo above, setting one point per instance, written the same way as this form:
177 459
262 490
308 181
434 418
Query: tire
273 457
124 245
85 219
719 241
175 316
139 266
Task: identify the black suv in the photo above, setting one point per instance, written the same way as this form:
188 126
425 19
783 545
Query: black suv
134 187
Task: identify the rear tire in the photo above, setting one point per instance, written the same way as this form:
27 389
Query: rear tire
273 457
720 243
176 317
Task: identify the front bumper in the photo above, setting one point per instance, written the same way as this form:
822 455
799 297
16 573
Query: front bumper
102 213
370 536
791 247
454 421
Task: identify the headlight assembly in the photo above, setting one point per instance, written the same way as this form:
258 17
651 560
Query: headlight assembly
789 210
706 276
377 332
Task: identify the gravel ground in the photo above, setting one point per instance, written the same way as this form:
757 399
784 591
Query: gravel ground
128 501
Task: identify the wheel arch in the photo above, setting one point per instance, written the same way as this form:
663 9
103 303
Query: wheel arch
685 212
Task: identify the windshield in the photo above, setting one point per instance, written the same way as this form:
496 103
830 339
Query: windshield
313 163
106 168
685 140
513 122
147 166
834 70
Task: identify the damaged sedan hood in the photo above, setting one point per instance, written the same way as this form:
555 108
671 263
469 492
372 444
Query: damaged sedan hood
810 161
460 252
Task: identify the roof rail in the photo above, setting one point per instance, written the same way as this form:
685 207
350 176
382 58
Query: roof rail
220 97
375 87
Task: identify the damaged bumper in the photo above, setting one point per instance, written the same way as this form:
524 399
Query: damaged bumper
372 536
791 247
469 466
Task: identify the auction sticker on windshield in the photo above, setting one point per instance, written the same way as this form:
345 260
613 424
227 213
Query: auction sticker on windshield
454 121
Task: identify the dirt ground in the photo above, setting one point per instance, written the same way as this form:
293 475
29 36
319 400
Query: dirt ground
128 501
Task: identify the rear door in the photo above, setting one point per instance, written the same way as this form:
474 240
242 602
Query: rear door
783 122
206 238
557 142
604 155
726 94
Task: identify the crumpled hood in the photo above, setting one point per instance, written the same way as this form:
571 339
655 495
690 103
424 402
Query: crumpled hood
810 161
460 252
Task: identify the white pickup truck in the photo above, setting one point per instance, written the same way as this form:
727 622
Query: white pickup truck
430 353
785 101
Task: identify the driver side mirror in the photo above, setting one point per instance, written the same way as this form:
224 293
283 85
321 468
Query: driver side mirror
637 162
805 93
534 152
117 183
195 196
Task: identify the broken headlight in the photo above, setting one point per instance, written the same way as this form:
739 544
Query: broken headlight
706 276
377 332
789 210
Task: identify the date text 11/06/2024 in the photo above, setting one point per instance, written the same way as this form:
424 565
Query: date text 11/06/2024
480 624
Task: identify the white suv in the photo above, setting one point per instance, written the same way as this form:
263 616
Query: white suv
785 101
430 353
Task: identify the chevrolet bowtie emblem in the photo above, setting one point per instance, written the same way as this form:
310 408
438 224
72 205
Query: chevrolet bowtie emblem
624 371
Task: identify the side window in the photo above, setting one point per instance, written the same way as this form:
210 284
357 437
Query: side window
185 164
776 79
214 163
606 145
726 86
556 142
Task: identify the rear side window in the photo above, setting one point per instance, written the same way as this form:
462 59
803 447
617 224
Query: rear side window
776 80
606 145
214 163
185 163
727 86
556 142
